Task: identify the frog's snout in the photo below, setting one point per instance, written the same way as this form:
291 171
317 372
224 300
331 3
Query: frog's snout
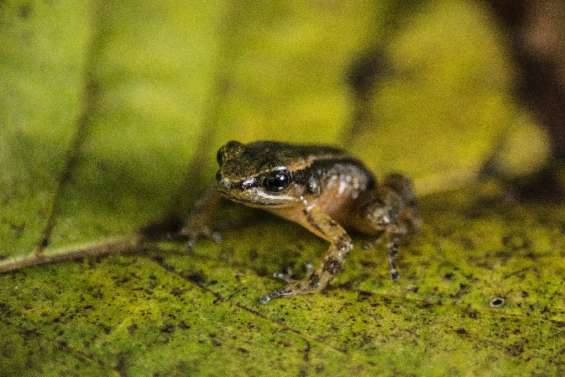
223 183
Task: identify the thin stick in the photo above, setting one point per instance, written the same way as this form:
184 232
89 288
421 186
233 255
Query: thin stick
121 245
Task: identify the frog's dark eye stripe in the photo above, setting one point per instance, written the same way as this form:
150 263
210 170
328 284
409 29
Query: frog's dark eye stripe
248 183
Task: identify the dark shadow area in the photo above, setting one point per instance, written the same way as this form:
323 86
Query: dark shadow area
533 32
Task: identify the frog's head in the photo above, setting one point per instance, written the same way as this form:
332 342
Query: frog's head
258 174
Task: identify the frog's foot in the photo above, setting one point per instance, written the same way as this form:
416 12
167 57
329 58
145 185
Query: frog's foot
195 232
310 284
372 244
392 243
287 274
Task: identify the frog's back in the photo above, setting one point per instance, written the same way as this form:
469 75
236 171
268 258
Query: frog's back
308 160
274 150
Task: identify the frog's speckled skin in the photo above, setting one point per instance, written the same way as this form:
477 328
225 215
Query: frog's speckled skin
319 187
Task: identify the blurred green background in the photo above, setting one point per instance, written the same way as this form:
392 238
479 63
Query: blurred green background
111 113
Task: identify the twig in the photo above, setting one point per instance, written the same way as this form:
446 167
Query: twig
120 245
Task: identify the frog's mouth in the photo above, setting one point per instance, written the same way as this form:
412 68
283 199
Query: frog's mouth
260 199
257 204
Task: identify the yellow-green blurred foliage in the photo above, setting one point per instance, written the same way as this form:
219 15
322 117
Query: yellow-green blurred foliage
168 76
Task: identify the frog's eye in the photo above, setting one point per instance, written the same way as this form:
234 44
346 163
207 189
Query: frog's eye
277 181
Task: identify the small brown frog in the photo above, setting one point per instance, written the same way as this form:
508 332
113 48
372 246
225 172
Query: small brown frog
323 189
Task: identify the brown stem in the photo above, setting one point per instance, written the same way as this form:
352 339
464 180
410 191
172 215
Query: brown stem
124 245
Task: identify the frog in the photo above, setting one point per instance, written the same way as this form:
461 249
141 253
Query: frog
324 189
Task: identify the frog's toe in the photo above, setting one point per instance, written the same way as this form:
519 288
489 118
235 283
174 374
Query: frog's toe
285 276
296 287
283 292
190 244
288 274
193 234
372 243
216 236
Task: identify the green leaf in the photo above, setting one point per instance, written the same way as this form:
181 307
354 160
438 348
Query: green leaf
110 114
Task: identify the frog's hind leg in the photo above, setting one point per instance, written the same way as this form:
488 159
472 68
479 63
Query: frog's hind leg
393 242
391 212
408 214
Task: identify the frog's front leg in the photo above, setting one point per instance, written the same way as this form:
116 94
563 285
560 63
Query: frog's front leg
199 223
340 244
